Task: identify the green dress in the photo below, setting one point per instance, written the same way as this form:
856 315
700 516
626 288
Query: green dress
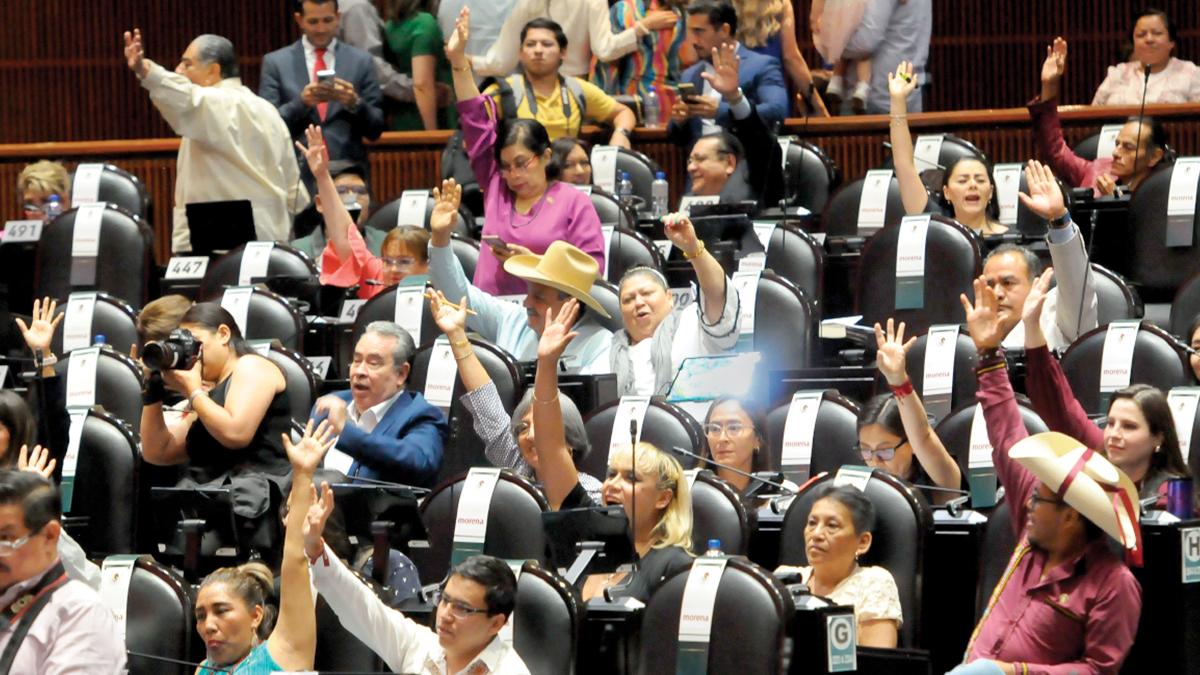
418 35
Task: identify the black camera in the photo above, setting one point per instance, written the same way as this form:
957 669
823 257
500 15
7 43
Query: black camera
178 352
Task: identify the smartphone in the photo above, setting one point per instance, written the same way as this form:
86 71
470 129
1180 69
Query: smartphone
687 91
495 242
326 76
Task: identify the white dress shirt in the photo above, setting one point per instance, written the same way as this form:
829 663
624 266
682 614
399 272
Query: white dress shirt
369 418
310 56
586 24
235 146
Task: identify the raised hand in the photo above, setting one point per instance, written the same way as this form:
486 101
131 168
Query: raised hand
679 229
558 334
135 54
40 331
1056 60
986 327
724 76
456 46
451 319
892 351
314 153
306 455
1045 197
1031 313
445 210
319 510
903 82
38 461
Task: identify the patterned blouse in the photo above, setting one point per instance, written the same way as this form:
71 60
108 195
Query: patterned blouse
1179 82
655 62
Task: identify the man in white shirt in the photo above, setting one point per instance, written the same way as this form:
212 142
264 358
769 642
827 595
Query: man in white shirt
473 604
235 145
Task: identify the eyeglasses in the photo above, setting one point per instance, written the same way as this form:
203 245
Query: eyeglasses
882 454
352 189
458 608
733 429
8 548
700 159
400 263
519 166
1035 499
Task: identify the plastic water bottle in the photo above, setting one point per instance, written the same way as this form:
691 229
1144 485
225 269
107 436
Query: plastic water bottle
660 195
624 187
52 208
714 549
651 110
99 340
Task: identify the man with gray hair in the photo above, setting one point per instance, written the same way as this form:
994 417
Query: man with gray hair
385 432
235 145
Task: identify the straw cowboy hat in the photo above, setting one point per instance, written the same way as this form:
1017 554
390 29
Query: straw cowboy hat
1086 481
562 267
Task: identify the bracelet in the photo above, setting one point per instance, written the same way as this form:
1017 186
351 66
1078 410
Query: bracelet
541 402
903 390
465 344
194 394
699 250
48 361
461 70
898 116
463 357
1062 221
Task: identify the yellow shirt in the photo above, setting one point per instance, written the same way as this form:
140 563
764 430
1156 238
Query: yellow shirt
600 108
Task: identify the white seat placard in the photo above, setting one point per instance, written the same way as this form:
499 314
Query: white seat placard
471 519
1008 186
77 322
439 379
411 209
410 310
236 301
872 202
85 186
630 409
604 167
256 257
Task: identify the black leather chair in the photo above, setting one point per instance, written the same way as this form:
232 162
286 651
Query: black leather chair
301 380
952 262
955 429
272 317
159 618
642 171
514 528
607 294
1029 224
718 513
903 523
285 262
463 449
665 426
118 385
1116 300
112 317
118 186
966 358
953 149
1157 269
794 255
1086 149
1185 307
384 218
784 317
840 217
382 307
467 252
834 435
103 509
750 617
810 176
611 211
123 262
1157 360
628 248
546 621
999 540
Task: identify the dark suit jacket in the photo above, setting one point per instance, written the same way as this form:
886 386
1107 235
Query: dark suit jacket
284 76
759 175
761 80
405 447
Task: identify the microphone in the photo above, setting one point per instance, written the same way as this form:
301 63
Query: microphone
633 436
1141 115
372 282
751 476
164 659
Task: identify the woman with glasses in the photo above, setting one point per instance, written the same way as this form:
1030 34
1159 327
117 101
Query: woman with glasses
737 442
346 261
39 182
893 429
526 207
570 155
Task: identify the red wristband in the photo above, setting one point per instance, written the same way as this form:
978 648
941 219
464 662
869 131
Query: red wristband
903 390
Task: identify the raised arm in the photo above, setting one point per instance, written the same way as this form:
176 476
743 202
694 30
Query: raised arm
456 52
912 189
293 642
453 322
337 219
1052 69
928 448
555 467
682 233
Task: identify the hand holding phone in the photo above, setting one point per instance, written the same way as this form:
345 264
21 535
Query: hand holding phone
496 243
326 76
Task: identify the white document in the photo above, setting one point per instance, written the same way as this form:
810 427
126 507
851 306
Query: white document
686 202
1182 401
77 324
412 208
1008 186
630 409
443 370
799 428
410 310
763 230
939 360
86 237
606 231
236 301
78 416
604 167
1116 362
85 186
926 151
81 377
256 257
872 202
115 574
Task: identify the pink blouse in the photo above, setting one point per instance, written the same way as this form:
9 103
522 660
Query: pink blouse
1179 82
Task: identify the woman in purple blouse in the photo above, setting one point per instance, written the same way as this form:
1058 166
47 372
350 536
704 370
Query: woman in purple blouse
525 206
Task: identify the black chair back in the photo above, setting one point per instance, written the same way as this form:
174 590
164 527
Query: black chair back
301 380
840 217
952 262
285 261
784 318
810 175
628 248
903 522
665 426
123 260
384 218
966 358
514 528
750 616
1116 300
112 317
834 435
1158 360
1185 308
546 621
159 618
1086 149
382 307
794 255
611 211
718 513
118 186
118 385
271 317
642 171
998 544
103 509
1029 224
1158 269
955 430
605 292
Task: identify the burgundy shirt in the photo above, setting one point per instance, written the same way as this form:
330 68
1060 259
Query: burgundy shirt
1083 615
1052 148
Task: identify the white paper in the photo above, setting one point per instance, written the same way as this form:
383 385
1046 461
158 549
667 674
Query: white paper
752 263
320 365
939 360
979 454
631 408
81 377
77 324
18 231
412 208
1108 140
86 237
1008 185
115 574
926 151
439 380
854 475
606 231
78 416
799 427
872 203
1181 200
910 246
1116 361
85 186
236 301
664 247
3 376
699 597
186 267
604 167
336 460
763 230
410 309
746 284
470 522
349 310
1182 401
256 256
686 202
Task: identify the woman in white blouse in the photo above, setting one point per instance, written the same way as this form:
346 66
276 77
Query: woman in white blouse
1171 80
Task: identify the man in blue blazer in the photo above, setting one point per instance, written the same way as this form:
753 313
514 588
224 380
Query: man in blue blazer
710 24
349 107
384 431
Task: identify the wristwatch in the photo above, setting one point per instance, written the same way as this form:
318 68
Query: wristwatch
1061 221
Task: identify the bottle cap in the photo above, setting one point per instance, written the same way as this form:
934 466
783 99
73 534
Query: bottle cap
99 339
714 544
660 175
